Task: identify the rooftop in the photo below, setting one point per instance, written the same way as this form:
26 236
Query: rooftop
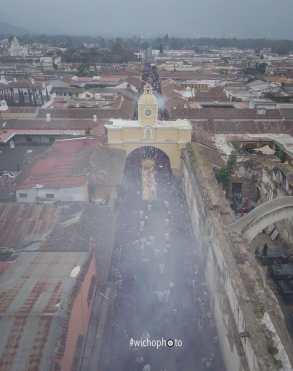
70 163
53 247
25 84
69 227
119 123
52 124
226 113
36 292
62 165
124 107
13 159
55 127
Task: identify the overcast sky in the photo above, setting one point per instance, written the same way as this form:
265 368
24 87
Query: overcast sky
219 18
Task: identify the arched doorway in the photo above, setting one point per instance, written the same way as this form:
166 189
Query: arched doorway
160 164
149 152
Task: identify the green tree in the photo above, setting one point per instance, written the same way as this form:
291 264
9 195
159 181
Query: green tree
223 175
280 153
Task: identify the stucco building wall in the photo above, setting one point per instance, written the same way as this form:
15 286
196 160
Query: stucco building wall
62 194
79 317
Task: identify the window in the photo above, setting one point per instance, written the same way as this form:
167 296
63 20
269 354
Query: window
23 195
50 195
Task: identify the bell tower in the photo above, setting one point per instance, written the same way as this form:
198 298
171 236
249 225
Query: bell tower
148 108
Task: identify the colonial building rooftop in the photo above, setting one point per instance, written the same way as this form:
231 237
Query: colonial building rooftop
37 293
72 163
54 254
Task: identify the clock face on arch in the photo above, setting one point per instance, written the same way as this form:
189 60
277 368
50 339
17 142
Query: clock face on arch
148 112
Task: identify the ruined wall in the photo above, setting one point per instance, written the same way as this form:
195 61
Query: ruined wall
243 338
274 185
203 130
285 228
198 213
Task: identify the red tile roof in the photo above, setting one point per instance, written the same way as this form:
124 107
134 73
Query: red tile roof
62 166
55 127
31 220
225 114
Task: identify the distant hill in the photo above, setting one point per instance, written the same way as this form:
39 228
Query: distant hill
9 29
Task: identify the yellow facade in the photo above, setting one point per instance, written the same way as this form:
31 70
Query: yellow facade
148 109
169 136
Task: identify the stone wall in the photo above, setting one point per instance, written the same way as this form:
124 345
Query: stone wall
245 341
285 228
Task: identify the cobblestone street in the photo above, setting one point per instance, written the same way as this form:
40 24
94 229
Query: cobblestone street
161 287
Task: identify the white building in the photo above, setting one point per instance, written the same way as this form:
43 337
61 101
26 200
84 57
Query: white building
16 50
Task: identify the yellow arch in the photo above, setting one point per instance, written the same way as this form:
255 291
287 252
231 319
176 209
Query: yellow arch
171 150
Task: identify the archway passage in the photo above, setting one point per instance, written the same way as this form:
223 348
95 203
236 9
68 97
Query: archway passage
149 152
263 216
141 157
135 158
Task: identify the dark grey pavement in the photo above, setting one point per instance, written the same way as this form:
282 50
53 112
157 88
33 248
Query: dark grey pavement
162 292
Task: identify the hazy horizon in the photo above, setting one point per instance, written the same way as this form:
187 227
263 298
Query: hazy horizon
193 18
